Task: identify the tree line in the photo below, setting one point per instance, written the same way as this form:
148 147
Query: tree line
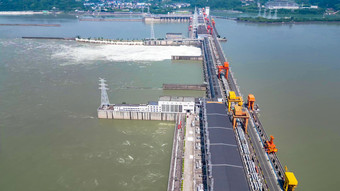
236 4
68 5
35 5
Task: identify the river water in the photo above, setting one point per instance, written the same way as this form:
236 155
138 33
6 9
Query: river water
50 138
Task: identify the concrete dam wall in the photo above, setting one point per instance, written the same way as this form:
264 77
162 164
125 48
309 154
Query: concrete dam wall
110 114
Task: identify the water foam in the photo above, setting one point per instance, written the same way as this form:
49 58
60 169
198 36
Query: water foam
81 54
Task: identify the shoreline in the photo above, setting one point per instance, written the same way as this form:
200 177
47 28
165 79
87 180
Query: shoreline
21 12
286 20
290 22
85 13
34 25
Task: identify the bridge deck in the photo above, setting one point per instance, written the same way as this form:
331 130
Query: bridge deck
227 166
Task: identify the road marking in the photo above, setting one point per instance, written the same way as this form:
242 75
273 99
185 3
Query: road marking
229 165
223 144
220 128
217 114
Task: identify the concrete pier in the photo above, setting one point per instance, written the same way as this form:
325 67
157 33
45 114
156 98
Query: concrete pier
173 42
111 20
112 42
167 18
167 42
195 58
175 172
130 115
197 87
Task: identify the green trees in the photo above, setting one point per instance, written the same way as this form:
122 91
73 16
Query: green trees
68 5
286 20
35 5
215 4
327 3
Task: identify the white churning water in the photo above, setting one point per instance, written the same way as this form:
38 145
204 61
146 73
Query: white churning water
123 52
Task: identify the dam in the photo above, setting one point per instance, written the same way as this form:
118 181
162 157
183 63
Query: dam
233 151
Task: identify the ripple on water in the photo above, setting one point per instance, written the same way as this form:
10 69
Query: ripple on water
126 143
150 176
128 159
121 160
147 145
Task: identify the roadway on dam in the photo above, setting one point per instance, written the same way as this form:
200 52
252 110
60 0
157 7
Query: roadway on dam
226 164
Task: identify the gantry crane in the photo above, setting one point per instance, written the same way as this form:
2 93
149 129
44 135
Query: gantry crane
240 114
290 181
232 98
251 101
223 70
270 146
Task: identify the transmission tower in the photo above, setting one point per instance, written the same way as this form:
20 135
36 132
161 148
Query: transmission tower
259 6
275 15
104 97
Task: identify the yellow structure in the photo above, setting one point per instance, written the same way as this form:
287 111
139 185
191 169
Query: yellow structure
290 181
233 98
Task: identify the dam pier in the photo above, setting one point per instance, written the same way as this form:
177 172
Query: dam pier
219 142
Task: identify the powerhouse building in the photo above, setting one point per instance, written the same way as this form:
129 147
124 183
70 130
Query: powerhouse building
166 104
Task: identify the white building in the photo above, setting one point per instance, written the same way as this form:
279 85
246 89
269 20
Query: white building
131 107
166 104
281 4
170 104
154 107
207 11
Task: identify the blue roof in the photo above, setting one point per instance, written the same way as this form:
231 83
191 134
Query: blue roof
153 103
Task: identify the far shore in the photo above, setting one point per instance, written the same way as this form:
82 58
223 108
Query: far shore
24 12
288 22
70 13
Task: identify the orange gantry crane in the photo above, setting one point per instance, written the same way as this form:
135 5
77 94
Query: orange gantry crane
251 101
240 114
270 146
223 70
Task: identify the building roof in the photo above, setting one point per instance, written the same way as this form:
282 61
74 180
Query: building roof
178 99
130 105
174 34
153 103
